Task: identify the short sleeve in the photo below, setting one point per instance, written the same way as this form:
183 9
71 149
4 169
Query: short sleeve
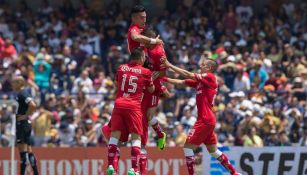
207 79
135 29
191 83
26 97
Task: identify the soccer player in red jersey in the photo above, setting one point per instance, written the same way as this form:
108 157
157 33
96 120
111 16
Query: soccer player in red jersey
138 22
136 39
132 79
203 130
155 53
151 100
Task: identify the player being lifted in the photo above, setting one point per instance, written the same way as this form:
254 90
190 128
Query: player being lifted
26 107
203 130
136 39
131 79
150 100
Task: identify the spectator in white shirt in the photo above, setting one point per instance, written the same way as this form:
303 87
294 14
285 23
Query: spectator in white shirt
83 81
34 47
188 120
241 83
85 46
66 134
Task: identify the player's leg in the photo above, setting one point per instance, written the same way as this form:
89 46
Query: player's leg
32 160
222 158
23 157
31 156
135 153
156 127
22 140
143 161
117 128
113 151
144 138
135 127
210 143
190 157
197 135
106 132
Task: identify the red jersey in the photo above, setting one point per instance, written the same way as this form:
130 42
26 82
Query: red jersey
131 43
155 56
206 86
132 80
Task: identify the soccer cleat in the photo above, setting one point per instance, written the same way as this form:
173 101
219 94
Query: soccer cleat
162 142
132 172
110 170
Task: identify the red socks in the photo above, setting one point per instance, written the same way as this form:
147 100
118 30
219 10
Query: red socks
143 163
157 128
116 159
190 160
112 155
135 156
225 162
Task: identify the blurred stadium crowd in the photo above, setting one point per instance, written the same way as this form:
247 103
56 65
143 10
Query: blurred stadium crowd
69 56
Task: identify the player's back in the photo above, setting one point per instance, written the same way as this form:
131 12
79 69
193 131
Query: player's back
155 57
131 43
132 79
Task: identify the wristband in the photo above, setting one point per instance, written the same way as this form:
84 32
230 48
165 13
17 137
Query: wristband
153 41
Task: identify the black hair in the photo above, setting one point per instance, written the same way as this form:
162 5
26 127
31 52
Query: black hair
137 9
136 53
149 32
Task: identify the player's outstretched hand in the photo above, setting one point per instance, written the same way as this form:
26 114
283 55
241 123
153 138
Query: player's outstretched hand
165 63
159 41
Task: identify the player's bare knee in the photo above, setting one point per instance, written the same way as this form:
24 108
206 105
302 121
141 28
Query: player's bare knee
211 148
22 147
29 149
116 134
135 136
150 113
189 146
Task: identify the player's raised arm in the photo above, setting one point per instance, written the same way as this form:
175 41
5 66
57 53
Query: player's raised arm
175 81
178 70
138 19
145 40
186 82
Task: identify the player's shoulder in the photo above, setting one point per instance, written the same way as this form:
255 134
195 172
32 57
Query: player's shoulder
133 28
206 75
145 70
24 93
210 74
158 48
120 67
